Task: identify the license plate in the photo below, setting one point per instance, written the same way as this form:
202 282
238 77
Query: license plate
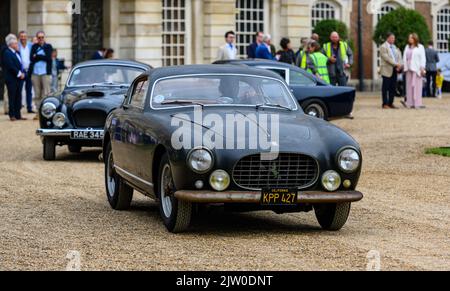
87 134
279 196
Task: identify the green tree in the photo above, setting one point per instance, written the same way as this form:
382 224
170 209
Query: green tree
402 22
325 27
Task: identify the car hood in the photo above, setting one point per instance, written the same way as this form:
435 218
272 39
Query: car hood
297 132
103 98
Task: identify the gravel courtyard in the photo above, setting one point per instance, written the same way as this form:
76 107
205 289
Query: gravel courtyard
50 208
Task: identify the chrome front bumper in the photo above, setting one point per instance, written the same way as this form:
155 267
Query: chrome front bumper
63 132
255 196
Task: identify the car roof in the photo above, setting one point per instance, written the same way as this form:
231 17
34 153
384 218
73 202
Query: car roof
114 62
256 62
162 72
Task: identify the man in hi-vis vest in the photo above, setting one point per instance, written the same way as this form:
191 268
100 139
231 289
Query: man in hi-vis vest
340 59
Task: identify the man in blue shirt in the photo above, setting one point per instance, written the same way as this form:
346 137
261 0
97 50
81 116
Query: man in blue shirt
251 49
41 68
263 50
25 51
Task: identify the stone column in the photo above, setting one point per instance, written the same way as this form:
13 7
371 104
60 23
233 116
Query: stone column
19 15
140 30
111 27
295 20
51 16
219 17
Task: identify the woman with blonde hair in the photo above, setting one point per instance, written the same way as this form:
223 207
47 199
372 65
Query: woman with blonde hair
414 60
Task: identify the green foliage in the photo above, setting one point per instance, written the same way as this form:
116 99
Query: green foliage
444 151
402 22
325 27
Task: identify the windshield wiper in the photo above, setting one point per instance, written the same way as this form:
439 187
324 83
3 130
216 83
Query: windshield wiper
109 84
273 105
182 102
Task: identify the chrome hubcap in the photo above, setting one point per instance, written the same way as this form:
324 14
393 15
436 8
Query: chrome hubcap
166 190
110 181
315 111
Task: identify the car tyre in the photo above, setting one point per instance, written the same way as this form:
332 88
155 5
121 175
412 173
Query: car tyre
119 194
49 149
74 149
176 214
332 216
316 108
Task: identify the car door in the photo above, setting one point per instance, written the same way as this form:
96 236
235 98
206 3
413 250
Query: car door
132 130
303 85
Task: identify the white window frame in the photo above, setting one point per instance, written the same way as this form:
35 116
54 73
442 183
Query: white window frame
385 8
442 29
176 58
249 35
326 9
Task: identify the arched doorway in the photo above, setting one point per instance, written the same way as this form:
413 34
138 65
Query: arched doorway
87 30
5 29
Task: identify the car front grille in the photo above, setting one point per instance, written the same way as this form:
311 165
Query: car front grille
89 118
288 170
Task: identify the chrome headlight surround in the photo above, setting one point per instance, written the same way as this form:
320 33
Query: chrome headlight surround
59 119
331 180
48 109
219 180
348 160
200 160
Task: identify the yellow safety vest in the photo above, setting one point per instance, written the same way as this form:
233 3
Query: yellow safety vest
343 46
303 63
320 62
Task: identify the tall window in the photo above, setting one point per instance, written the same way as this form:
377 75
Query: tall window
385 9
323 10
443 29
174 31
249 20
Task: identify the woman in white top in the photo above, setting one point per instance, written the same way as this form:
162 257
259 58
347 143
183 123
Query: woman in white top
414 60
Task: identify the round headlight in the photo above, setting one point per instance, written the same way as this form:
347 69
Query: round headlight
331 180
59 119
348 160
48 110
219 180
200 160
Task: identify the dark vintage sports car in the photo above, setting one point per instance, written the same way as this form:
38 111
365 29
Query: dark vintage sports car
76 116
316 165
316 97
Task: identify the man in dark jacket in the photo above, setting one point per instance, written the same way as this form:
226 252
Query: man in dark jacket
251 49
431 68
41 68
14 76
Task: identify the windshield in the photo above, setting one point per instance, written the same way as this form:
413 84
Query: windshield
104 75
221 90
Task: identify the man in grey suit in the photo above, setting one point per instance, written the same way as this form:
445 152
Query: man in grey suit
431 68
390 65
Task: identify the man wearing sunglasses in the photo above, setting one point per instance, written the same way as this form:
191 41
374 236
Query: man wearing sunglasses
41 68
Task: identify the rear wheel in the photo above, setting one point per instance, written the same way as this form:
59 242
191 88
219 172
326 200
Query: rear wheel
176 214
74 148
315 108
119 194
332 216
49 149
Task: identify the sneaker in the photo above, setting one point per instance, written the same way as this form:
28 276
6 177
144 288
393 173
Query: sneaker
386 107
392 106
404 104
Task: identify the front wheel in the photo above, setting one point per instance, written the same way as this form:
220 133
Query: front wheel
315 108
49 149
176 214
332 216
119 194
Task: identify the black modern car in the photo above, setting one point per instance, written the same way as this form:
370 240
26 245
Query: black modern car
316 97
76 116
230 135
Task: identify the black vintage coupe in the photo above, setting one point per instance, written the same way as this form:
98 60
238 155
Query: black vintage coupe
232 135
76 116
316 97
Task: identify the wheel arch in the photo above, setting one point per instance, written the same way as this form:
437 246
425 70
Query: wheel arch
157 157
304 103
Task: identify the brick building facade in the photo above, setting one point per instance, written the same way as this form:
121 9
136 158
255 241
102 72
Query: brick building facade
170 32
